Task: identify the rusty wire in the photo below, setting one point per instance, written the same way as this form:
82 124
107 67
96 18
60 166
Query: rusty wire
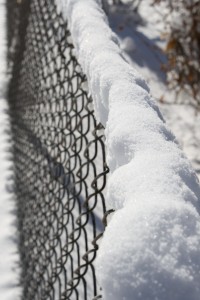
59 157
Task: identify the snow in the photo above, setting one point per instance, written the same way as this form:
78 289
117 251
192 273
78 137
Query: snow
151 247
147 31
159 249
9 272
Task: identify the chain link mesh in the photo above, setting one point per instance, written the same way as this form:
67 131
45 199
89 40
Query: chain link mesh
59 157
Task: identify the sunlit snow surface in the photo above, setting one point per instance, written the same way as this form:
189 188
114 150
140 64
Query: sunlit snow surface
141 37
8 246
151 247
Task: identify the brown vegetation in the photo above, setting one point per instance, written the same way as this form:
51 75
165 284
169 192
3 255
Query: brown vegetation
183 45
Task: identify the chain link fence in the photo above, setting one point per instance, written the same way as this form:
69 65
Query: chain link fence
59 157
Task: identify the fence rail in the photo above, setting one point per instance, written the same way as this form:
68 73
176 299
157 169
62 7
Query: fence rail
59 157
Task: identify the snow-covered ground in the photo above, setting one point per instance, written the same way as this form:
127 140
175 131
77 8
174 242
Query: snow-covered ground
9 270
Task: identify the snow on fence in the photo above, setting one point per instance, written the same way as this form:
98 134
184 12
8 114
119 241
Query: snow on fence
151 246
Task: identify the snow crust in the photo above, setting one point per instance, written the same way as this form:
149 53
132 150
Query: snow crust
151 247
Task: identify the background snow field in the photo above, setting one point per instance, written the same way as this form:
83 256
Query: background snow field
8 246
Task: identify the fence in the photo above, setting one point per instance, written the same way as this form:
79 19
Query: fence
59 157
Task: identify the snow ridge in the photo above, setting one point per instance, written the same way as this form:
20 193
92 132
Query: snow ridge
151 247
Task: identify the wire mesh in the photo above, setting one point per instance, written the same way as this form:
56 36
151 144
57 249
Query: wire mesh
59 157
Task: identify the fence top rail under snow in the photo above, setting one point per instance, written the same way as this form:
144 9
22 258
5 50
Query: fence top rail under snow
151 247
